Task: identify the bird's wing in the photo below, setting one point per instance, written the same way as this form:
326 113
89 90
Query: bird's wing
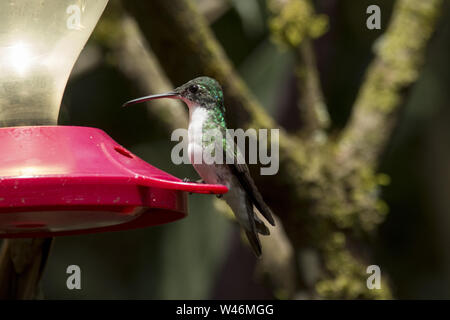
240 169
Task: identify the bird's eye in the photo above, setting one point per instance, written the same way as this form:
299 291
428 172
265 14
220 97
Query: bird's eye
193 88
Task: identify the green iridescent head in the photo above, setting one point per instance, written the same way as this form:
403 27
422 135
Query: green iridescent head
205 92
202 91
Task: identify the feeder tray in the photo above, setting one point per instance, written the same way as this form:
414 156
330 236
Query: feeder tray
64 180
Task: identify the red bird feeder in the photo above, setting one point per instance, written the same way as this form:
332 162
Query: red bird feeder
60 180
57 180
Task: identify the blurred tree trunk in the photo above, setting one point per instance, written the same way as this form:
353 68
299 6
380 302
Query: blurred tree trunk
22 262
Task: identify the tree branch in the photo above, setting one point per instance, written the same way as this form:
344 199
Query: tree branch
139 64
313 111
293 25
399 56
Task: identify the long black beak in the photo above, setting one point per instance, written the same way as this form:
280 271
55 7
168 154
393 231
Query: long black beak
171 95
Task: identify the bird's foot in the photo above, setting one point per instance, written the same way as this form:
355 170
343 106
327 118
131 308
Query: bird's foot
219 196
196 181
186 179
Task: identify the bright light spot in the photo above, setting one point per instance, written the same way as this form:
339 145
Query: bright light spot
29 171
20 57
23 171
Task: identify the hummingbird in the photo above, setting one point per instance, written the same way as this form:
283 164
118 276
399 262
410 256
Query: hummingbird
204 99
